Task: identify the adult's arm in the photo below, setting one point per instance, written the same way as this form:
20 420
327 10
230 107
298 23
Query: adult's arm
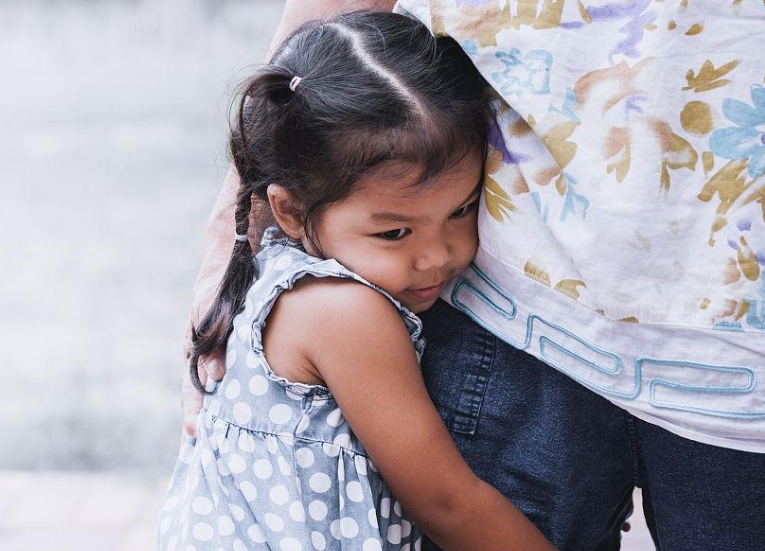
219 234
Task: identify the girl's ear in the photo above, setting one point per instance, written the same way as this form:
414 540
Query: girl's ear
287 211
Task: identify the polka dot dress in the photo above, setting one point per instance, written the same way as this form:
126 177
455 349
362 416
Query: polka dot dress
275 465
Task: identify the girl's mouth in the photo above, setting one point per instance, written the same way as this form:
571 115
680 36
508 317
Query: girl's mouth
427 293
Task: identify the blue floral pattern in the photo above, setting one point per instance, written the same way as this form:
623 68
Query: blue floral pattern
623 214
745 140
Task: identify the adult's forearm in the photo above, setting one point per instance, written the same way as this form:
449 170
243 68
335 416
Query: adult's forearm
219 242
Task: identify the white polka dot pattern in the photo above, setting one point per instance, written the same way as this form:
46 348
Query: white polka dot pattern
318 510
275 465
225 526
263 469
232 389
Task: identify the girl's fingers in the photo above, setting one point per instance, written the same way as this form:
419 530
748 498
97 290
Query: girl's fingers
213 368
214 365
191 403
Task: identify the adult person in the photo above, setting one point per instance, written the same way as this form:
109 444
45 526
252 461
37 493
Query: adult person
622 243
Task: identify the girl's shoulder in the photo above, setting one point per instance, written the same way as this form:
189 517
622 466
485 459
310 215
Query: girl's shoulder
309 309
325 303
320 318
323 290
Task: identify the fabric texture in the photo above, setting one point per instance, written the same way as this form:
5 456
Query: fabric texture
570 459
622 227
275 465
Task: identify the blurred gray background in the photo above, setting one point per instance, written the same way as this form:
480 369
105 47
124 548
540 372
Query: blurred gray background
113 118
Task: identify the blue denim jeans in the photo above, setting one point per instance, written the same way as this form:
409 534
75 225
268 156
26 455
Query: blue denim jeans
569 459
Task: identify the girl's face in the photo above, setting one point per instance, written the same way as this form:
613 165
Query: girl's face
406 238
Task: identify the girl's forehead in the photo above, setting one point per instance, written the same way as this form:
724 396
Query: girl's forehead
410 171
407 178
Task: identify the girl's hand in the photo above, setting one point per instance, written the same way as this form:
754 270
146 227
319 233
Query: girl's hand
191 398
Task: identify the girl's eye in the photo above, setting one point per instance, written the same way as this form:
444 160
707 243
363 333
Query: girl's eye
465 210
394 235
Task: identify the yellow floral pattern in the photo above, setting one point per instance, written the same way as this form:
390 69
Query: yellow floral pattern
652 125
622 232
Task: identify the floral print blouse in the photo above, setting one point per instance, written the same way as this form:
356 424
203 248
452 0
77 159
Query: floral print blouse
623 217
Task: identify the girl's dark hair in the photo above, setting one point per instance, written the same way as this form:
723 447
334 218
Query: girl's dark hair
375 87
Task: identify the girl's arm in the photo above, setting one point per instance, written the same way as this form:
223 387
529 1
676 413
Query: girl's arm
220 225
359 346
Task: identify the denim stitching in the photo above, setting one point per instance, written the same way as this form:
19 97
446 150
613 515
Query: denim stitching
465 415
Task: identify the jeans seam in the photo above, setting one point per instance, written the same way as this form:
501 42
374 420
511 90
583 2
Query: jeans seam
640 476
465 415
633 448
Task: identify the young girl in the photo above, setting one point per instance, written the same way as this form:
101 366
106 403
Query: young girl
365 136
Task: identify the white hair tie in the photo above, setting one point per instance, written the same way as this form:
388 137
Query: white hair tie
294 83
240 237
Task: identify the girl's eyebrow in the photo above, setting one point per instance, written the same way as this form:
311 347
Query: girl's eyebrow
474 193
476 190
386 216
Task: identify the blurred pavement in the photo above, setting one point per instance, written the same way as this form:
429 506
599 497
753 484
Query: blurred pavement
56 511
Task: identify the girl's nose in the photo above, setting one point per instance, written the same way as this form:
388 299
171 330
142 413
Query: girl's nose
434 255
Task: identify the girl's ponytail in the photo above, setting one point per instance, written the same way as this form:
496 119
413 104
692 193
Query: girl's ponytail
251 146
212 331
